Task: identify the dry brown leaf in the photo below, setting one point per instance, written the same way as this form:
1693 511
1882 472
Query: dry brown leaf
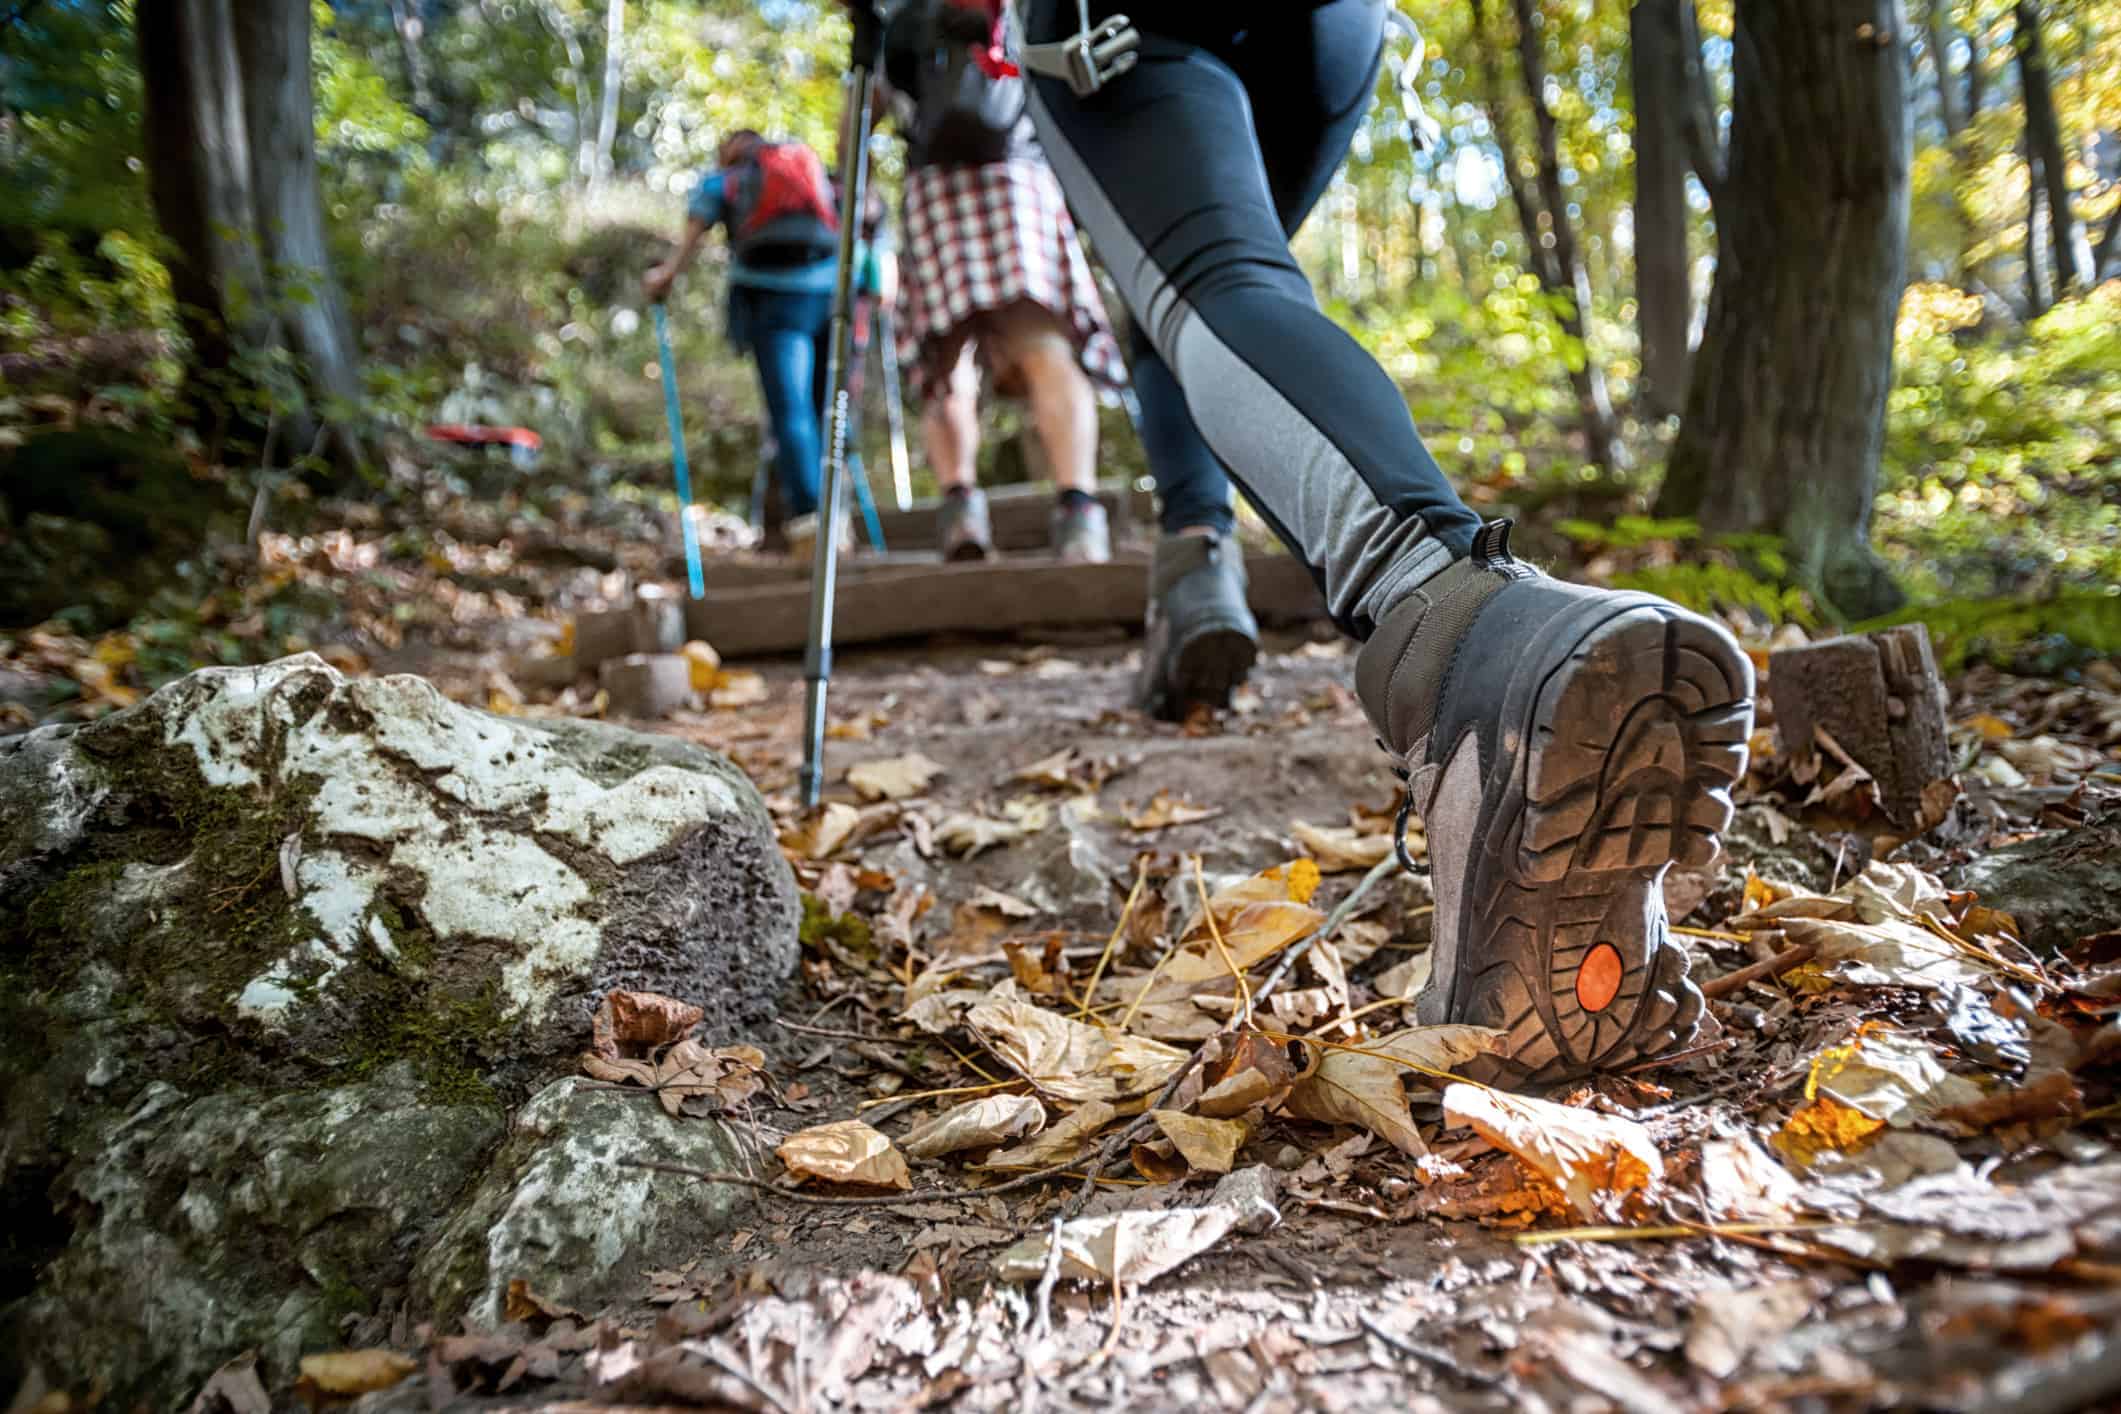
635 1023
1131 1247
894 778
704 664
966 834
1364 1088
1158 1161
234 1388
1065 1058
727 1076
1741 1182
1587 1155
342 1374
1339 849
975 1124
824 831
1165 810
738 688
1252 1072
1064 1141
847 1151
2052 1095
523 1304
1208 1145
1890 1077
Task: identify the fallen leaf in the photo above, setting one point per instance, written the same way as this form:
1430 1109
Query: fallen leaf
1585 1154
975 1124
1066 1059
1158 1161
966 834
847 1151
343 1374
727 1076
704 664
2050 1096
738 688
1339 849
1131 1247
1741 1182
234 1388
823 831
522 1304
1253 1072
1364 1087
1730 1323
1064 1141
1165 810
1894 1078
1208 1145
895 778
636 1023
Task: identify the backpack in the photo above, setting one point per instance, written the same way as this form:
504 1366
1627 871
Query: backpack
780 207
962 114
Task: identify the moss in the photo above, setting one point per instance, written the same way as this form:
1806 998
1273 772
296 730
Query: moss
821 926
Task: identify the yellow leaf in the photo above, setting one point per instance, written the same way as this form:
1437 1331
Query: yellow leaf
1209 1145
1587 1155
704 664
738 689
848 1151
895 778
1825 1124
1303 879
823 832
975 1124
346 1373
1992 727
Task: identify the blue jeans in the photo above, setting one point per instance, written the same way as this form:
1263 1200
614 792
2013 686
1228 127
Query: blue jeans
786 335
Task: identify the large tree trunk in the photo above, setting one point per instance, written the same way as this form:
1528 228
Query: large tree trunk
1548 233
199 178
1785 418
273 47
614 77
1663 287
2043 137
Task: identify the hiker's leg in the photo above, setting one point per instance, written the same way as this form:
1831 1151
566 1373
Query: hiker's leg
950 422
1191 485
1315 430
785 359
1026 343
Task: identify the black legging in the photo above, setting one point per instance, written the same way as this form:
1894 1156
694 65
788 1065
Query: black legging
1190 173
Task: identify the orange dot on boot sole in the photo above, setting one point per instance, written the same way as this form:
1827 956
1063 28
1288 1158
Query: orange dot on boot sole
1598 979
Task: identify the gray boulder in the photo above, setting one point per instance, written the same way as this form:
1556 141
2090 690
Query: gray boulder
232 912
2060 886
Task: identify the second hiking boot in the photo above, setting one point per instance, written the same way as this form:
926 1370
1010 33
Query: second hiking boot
962 528
1081 533
1201 639
1565 746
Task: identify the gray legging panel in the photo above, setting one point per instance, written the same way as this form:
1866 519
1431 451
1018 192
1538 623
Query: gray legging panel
1175 169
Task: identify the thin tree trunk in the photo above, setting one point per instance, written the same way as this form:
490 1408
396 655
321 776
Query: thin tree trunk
2109 245
1940 36
273 48
1663 288
199 179
614 77
410 31
1785 419
578 81
1547 230
2038 297
1704 144
2043 136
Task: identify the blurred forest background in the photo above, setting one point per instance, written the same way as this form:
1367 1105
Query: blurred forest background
1542 279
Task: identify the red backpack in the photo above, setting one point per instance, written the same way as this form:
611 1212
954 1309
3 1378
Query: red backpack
781 210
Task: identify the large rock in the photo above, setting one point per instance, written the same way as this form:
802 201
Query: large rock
2059 886
561 1207
259 891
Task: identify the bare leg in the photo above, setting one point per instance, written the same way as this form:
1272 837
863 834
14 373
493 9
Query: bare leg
1036 348
950 424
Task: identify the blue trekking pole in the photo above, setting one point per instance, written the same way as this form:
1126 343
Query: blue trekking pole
677 454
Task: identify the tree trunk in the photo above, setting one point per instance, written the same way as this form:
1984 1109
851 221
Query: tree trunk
1663 288
410 30
2109 245
1785 418
2038 296
199 178
2043 137
1940 37
273 48
614 78
1548 232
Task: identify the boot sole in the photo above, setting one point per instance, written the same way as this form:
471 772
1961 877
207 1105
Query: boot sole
1630 749
1209 666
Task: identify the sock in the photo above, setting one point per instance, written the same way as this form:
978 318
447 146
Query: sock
1072 500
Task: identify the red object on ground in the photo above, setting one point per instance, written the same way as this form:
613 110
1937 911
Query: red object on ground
474 435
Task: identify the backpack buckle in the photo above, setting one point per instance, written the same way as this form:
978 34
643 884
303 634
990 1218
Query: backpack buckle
1089 59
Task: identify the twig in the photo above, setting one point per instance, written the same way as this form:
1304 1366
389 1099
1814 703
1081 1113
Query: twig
1141 874
880 1200
837 1035
1721 1043
1215 932
937 1094
1791 957
1434 1358
1043 1326
1646 1234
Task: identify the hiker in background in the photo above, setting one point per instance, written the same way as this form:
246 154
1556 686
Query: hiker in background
992 272
778 206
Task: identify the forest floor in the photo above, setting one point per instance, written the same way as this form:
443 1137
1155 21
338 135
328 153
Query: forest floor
1890 1181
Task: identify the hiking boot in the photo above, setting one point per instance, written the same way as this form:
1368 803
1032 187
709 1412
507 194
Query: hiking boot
1201 637
1081 534
801 534
962 527
1565 746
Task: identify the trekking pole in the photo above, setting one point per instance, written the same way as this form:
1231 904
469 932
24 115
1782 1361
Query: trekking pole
824 571
894 412
677 454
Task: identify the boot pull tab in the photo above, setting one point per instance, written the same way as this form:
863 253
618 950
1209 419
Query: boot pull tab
1491 551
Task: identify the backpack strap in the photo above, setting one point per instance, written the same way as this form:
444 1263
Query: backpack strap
1088 59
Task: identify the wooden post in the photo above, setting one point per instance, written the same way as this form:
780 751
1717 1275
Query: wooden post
1879 697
